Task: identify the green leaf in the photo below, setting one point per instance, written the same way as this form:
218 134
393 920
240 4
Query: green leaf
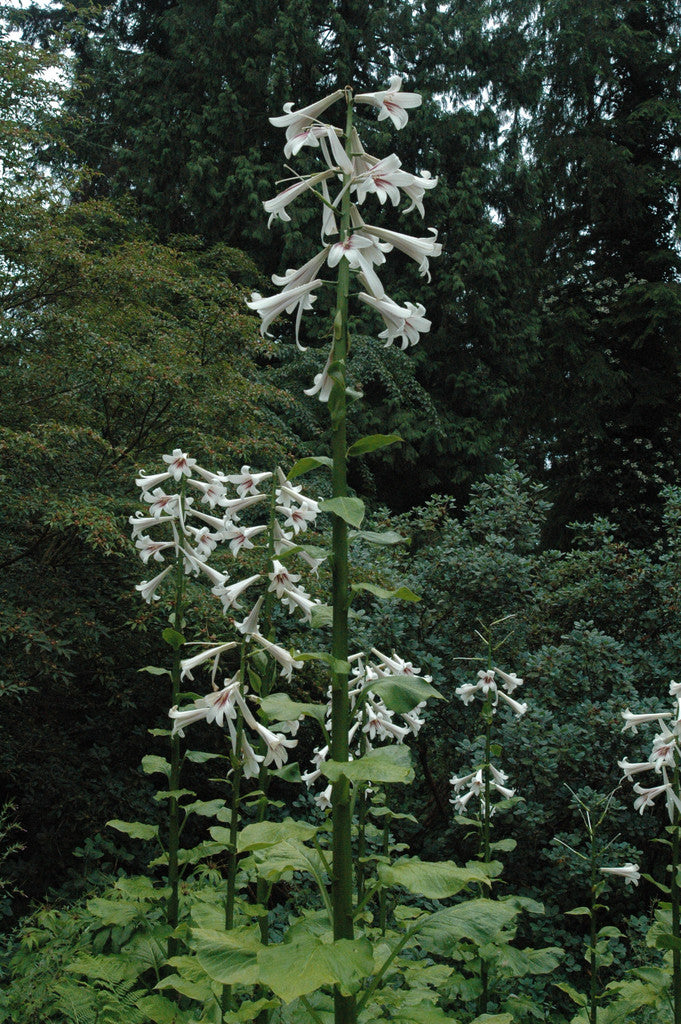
309 549
436 880
206 808
387 537
371 443
280 708
294 969
579 912
667 941
114 912
494 1018
386 764
289 773
402 593
403 693
152 764
173 638
228 957
135 829
262 834
504 845
349 509
480 921
519 962
335 664
159 1010
577 997
201 756
154 670
321 615
306 464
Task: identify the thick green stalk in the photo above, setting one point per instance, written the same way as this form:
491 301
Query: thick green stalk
593 987
173 906
237 772
676 903
485 838
342 885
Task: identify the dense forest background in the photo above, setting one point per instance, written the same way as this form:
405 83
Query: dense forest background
136 153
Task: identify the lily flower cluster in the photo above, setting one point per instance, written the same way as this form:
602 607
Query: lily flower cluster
487 687
363 245
372 721
663 758
474 786
224 706
191 535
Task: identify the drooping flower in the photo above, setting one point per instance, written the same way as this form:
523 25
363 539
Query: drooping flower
632 721
271 307
276 207
392 102
629 872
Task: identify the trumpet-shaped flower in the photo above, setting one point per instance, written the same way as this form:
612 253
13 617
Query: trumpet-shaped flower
392 102
418 249
229 595
296 120
300 298
148 588
276 207
247 482
322 384
629 872
632 721
179 464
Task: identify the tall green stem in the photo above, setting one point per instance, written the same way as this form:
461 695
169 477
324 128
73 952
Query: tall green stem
676 902
173 906
593 987
342 885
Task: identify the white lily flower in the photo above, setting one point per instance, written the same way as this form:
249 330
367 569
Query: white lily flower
160 502
282 656
148 588
249 625
518 709
664 749
281 579
416 190
308 136
383 178
212 493
629 872
240 536
632 721
247 482
323 799
276 207
250 760
149 548
647 795
297 120
236 505
392 102
297 517
466 692
211 653
323 383
145 481
140 522
179 464
511 680
271 307
308 272
418 249
229 595
298 599
630 768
